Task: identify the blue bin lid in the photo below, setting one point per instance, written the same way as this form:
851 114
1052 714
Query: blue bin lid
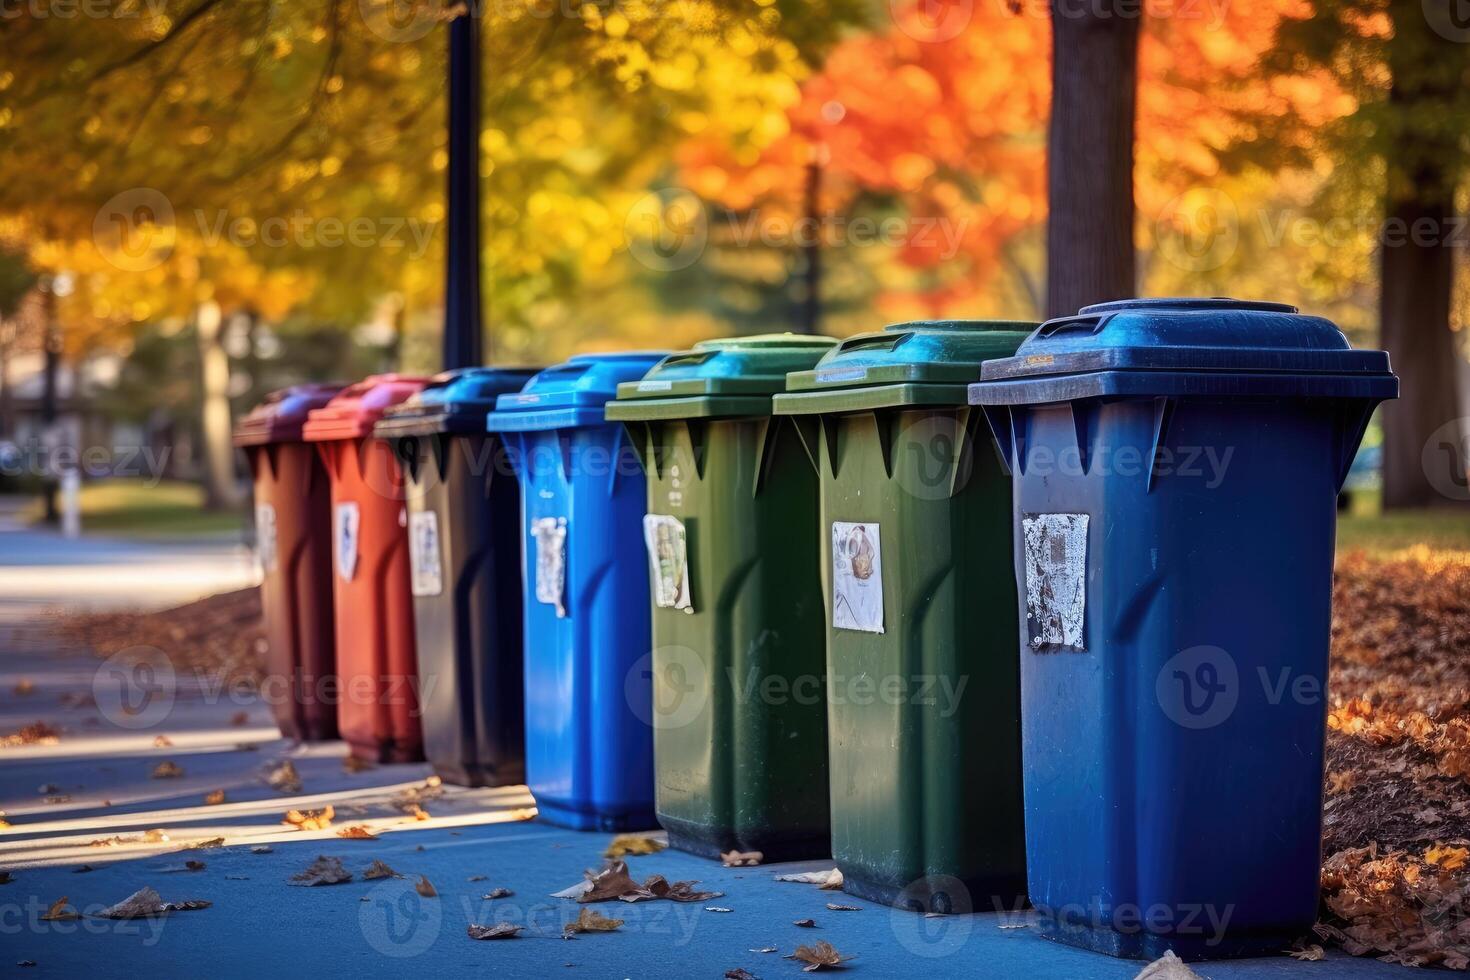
570 394
455 401
1185 346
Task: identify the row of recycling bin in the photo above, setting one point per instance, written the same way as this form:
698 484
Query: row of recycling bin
986 611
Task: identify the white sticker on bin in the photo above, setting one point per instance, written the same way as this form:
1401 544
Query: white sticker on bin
425 559
551 561
346 520
1056 581
857 577
668 557
265 537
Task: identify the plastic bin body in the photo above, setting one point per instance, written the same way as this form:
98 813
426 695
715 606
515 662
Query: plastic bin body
293 520
1176 465
740 728
589 745
924 729
377 711
464 512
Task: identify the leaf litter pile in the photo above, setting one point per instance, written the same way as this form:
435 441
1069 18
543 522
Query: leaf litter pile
1396 822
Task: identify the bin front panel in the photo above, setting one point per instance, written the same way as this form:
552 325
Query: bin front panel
740 720
589 747
293 513
464 533
1174 672
924 697
378 713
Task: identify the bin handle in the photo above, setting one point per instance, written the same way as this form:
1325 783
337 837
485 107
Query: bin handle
885 341
1089 324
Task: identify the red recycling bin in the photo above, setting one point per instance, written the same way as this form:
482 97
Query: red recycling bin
293 511
377 711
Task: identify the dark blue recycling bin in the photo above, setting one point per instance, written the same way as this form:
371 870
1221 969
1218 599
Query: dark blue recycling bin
1176 466
589 687
462 515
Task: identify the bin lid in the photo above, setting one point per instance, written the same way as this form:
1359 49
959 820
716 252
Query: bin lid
1184 346
280 417
356 408
924 362
570 394
731 377
455 401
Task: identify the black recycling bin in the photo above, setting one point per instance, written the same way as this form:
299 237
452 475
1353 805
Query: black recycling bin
464 529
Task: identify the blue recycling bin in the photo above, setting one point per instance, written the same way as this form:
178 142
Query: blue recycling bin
1175 466
589 688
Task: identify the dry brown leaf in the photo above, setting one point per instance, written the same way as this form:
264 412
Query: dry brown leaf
1167 967
214 797
162 742
36 733
740 973
167 769
625 844
806 923
825 880
1447 858
1309 954
821 955
741 859
425 888
475 878
843 908
356 832
501 930
60 912
261 849
352 764
590 920
323 871
379 869
495 893
204 845
146 903
310 819
284 778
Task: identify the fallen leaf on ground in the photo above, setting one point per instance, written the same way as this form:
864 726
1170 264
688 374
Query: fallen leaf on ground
410 800
186 866
425 888
625 844
154 836
352 763
765 949
356 832
806 923
717 908
591 921
739 973
214 797
284 778
741 859
678 891
1310 954
501 930
844 908
60 911
24 687
167 769
1167 967
146 903
261 849
1448 858
475 878
820 955
204 845
240 718
310 819
162 742
379 869
36 733
323 871
829 880
495 893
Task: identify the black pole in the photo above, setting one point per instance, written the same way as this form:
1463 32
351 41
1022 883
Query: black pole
50 398
464 342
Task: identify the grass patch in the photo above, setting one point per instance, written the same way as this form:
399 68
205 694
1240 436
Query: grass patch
139 508
1366 528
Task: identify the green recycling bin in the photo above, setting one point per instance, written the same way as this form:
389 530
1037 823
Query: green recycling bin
923 686
739 715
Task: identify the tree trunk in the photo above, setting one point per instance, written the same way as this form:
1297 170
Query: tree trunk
1418 273
1094 76
220 487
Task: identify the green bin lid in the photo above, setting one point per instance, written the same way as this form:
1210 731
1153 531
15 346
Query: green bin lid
924 362
718 378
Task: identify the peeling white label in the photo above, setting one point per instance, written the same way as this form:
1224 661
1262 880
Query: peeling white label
551 561
426 565
346 520
668 557
1056 580
265 537
857 577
